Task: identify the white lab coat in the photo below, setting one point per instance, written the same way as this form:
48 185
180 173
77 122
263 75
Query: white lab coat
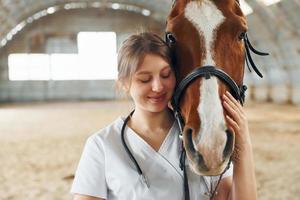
106 171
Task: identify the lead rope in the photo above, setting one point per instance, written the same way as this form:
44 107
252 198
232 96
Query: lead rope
185 177
211 192
182 158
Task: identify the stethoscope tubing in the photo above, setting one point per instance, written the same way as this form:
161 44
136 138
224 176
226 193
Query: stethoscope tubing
137 166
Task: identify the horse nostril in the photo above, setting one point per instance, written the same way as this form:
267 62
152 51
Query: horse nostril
229 144
189 140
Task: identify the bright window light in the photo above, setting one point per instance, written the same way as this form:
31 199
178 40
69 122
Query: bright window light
96 60
28 67
97 52
270 2
246 8
64 66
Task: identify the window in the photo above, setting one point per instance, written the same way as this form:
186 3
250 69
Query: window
270 2
97 53
246 8
96 60
28 67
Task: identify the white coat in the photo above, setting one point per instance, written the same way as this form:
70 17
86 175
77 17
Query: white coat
106 171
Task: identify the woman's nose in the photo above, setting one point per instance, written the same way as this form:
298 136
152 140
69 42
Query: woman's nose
157 85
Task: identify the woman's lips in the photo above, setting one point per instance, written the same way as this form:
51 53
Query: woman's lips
158 98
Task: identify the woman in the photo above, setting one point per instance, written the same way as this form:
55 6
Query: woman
106 170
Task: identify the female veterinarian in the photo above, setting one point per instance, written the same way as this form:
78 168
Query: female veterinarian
137 158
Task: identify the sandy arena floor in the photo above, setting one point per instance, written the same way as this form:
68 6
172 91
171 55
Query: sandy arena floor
41 144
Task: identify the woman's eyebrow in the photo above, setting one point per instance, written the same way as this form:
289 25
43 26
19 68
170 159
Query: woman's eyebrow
142 72
148 72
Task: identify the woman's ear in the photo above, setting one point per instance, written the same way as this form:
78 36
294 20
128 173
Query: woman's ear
122 89
126 88
125 85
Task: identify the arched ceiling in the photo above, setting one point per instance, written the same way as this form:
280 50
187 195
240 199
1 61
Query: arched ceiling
15 14
13 11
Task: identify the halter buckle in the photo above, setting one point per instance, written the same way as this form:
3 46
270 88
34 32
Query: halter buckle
207 75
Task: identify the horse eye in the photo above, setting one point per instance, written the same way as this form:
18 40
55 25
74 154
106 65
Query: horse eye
170 39
242 35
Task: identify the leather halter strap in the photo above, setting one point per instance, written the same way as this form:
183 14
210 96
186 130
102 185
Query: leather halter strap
248 57
207 72
238 91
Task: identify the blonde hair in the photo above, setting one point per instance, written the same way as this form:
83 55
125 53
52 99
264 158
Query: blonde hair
133 51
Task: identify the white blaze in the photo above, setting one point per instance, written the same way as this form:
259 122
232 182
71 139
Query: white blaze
211 140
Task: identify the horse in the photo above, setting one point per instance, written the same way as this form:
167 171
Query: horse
210 45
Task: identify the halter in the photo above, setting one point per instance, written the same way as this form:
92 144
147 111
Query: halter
237 91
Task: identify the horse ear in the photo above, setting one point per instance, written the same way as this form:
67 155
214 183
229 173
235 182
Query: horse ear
173 3
174 11
177 7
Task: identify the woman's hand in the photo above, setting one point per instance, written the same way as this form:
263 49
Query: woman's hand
244 182
238 123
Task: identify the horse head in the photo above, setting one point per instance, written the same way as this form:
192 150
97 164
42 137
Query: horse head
208 35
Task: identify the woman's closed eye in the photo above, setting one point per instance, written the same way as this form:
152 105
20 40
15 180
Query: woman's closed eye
144 78
166 74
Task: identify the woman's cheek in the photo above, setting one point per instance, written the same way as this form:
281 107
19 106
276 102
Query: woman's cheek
173 83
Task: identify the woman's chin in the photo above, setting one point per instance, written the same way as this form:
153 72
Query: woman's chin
157 106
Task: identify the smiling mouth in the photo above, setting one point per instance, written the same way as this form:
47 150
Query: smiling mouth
157 98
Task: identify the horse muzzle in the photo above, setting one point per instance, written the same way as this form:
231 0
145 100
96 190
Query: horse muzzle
204 160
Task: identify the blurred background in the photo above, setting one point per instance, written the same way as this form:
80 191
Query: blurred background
57 87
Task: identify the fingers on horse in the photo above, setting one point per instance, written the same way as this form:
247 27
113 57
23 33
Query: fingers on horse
231 108
237 103
238 115
232 124
235 107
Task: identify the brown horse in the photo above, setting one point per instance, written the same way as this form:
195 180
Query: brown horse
209 36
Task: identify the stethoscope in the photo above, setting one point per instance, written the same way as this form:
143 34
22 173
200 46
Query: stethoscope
138 168
211 192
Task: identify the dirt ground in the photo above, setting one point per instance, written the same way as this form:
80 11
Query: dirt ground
41 143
